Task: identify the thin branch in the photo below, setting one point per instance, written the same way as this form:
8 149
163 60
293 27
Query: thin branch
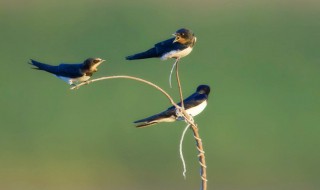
190 121
170 76
181 152
132 78
179 83
202 158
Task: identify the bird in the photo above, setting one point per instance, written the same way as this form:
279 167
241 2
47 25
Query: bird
193 105
71 73
179 46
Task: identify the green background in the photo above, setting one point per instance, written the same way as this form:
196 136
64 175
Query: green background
260 129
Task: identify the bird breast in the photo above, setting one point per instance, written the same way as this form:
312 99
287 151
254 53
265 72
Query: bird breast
177 53
197 109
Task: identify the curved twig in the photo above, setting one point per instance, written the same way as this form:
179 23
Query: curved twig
181 152
132 78
170 76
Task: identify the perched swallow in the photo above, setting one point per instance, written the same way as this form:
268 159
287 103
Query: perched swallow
193 105
179 46
71 73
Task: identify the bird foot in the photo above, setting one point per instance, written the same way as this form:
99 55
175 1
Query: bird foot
74 86
179 114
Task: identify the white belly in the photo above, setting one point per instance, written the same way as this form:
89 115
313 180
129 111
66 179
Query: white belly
197 109
177 53
74 80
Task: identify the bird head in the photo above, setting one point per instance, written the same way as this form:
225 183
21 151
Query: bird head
203 89
92 64
183 36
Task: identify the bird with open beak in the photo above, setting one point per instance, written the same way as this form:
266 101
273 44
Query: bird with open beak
179 46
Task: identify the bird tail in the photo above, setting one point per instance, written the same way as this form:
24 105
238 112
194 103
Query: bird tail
147 121
145 124
152 120
43 66
143 55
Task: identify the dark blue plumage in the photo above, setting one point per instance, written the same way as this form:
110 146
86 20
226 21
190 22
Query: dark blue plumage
193 105
177 47
71 73
64 70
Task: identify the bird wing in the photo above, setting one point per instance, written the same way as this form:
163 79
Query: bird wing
170 114
159 50
65 70
42 66
193 100
167 46
70 70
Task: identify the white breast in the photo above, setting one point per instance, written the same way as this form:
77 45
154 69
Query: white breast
177 53
197 109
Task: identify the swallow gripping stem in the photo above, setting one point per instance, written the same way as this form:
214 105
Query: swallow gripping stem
179 46
71 73
193 106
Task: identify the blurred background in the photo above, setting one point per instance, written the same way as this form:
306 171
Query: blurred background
260 129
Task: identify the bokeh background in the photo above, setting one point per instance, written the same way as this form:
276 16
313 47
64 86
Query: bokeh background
260 130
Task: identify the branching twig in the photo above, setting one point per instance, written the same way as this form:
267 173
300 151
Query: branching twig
186 116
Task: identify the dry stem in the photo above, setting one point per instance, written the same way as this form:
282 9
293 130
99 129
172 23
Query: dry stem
186 116
179 83
202 158
195 130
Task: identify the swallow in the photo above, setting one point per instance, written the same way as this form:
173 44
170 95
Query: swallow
193 105
71 73
179 46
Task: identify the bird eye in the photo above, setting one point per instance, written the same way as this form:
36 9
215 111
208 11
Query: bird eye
96 61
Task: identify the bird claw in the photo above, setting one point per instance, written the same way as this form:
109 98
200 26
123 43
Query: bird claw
74 86
179 111
180 116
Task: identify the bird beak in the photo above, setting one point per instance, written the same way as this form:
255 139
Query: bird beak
176 39
97 64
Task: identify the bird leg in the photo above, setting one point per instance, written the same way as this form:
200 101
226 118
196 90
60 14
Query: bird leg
179 113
